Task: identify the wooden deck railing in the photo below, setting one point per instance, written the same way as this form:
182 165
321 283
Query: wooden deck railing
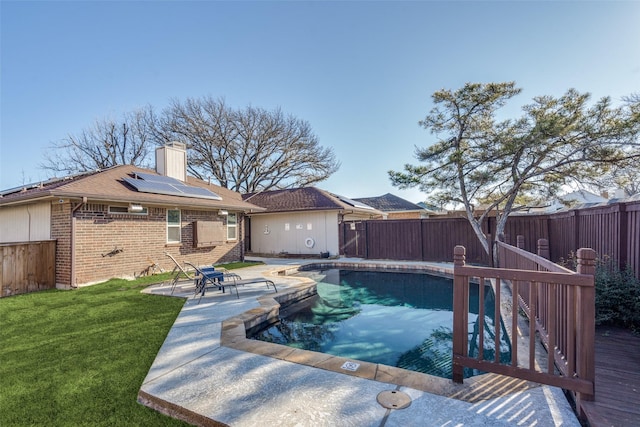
559 305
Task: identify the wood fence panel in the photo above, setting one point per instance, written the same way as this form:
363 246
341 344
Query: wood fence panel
353 239
562 235
633 232
439 230
441 235
612 231
532 227
46 271
394 239
598 228
27 267
7 281
20 268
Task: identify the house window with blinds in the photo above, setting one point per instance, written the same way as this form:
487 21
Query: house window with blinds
173 226
232 227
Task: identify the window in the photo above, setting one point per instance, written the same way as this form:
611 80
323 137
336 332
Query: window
173 226
232 227
128 210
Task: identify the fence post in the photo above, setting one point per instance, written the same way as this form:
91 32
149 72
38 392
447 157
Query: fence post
585 326
543 248
520 241
576 228
623 224
367 242
460 313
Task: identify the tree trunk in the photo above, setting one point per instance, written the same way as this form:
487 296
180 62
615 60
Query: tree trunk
484 241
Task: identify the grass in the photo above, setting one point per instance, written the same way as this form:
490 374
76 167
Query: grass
78 358
238 264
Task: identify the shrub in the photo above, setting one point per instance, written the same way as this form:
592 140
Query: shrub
617 293
617 296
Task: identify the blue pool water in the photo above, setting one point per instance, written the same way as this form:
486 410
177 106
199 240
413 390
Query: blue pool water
397 319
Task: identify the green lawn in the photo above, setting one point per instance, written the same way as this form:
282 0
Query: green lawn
79 357
238 264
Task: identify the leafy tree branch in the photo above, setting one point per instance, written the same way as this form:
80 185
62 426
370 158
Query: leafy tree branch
478 160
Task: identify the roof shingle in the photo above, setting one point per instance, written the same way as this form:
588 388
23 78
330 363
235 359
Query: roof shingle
301 199
108 185
389 203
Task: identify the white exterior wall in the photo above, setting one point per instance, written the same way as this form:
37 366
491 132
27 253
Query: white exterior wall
271 235
26 223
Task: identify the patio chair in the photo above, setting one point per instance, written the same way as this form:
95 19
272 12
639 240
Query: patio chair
222 278
209 277
178 272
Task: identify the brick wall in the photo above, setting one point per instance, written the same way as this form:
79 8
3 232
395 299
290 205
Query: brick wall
404 215
61 232
124 245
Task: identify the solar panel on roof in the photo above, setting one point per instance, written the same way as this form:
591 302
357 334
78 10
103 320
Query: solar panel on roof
152 187
198 191
159 178
170 189
353 202
203 193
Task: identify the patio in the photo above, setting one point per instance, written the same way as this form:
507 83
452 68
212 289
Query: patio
197 377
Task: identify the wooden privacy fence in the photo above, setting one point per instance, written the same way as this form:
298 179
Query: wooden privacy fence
27 267
560 307
612 231
410 239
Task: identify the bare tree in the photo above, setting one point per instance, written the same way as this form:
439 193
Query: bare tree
106 143
246 150
207 127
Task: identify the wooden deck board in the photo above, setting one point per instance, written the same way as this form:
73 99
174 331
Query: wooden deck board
617 401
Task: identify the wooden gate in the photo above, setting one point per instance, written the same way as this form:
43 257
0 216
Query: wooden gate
354 239
560 307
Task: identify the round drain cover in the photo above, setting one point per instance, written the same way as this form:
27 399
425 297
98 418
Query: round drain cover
393 399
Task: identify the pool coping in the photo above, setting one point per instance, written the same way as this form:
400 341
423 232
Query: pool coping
234 335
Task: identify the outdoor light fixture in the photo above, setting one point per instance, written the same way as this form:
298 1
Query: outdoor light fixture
135 208
222 212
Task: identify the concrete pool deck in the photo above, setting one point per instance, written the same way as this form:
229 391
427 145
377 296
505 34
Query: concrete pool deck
206 374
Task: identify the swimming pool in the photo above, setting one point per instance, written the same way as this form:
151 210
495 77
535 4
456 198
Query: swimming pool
397 319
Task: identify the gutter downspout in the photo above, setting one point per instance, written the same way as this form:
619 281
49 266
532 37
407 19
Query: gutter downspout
72 249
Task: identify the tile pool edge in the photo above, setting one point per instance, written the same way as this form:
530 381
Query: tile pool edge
234 331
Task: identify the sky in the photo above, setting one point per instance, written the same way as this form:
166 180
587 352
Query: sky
361 73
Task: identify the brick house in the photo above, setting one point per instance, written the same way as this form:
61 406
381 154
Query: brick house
394 207
118 221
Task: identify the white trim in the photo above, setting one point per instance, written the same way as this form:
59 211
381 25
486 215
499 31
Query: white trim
174 226
125 210
232 226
